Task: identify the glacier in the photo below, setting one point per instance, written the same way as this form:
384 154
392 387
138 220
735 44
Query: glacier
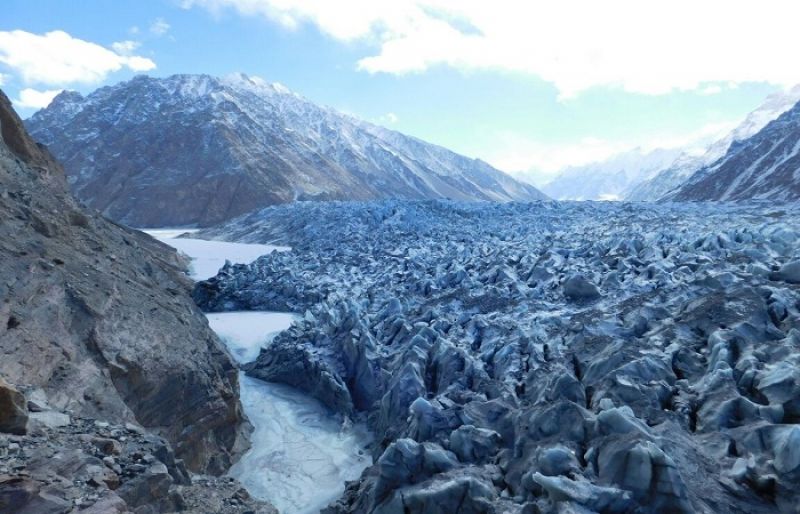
301 454
540 357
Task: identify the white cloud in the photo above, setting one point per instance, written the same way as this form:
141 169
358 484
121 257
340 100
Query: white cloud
711 90
539 162
2 79
125 47
33 99
643 47
134 30
389 118
56 58
159 27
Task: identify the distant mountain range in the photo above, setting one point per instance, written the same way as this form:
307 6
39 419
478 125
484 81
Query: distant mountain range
765 166
649 176
611 179
199 150
686 165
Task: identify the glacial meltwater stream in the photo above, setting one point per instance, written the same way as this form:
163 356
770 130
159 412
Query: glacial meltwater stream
301 454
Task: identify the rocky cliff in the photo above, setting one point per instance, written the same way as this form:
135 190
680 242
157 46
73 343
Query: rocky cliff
97 318
195 149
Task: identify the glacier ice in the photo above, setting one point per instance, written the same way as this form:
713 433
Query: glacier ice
541 357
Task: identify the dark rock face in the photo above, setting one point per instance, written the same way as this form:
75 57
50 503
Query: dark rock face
93 467
448 327
13 409
762 167
201 150
98 316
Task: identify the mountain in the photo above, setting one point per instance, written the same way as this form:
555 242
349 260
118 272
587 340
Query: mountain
194 149
687 164
97 319
610 179
765 166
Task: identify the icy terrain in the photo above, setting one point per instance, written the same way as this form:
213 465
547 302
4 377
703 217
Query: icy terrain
523 358
209 256
301 454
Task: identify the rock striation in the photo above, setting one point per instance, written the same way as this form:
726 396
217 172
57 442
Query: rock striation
526 358
765 166
99 317
198 150
673 176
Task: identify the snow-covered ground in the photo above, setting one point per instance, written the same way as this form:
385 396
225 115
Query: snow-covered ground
246 332
209 256
301 453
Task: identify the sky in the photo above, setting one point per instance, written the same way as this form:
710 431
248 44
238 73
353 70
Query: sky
529 86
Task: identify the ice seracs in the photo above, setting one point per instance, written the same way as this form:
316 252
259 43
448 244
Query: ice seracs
572 357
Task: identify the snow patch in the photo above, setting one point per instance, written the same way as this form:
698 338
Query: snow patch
245 333
209 256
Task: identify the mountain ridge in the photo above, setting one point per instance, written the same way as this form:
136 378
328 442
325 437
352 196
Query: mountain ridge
610 179
765 166
237 144
686 165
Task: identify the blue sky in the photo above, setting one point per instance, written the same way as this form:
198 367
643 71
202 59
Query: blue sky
523 86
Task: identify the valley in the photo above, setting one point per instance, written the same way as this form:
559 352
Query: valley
464 258
300 453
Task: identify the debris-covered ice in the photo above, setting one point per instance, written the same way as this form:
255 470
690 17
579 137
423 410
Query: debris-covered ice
522 358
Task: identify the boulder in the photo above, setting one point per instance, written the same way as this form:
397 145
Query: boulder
789 272
578 288
13 410
22 495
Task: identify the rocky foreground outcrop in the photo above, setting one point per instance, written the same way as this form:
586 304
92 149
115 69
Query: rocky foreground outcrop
68 464
531 358
98 319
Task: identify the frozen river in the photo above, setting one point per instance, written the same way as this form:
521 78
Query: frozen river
301 454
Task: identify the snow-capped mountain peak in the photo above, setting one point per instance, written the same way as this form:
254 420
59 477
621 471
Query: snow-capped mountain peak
610 179
672 176
230 145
